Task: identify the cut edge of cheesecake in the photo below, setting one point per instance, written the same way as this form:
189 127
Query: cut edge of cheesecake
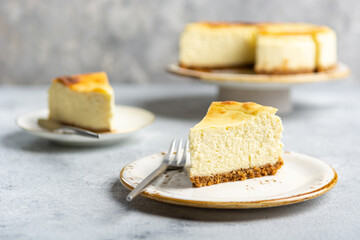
206 169
322 55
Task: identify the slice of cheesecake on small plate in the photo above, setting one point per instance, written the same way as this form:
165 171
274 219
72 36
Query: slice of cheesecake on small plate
85 101
300 178
237 161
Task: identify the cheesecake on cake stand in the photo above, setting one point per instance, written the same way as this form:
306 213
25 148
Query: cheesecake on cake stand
258 62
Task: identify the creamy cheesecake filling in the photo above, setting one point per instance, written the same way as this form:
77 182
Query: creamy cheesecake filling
93 110
204 46
326 56
254 142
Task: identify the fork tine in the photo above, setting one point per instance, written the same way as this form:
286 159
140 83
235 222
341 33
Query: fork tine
184 154
178 153
169 155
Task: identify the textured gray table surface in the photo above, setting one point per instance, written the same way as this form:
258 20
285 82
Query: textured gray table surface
48 191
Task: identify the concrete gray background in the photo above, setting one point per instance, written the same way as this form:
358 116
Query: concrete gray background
133 40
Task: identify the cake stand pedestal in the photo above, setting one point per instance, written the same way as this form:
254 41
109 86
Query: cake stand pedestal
244 85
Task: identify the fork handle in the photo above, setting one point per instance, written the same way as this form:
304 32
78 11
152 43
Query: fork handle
146 182
82 132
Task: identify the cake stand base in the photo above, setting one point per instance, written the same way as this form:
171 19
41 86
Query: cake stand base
247 86
278 98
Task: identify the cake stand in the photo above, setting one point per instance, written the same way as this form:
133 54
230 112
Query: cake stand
244 85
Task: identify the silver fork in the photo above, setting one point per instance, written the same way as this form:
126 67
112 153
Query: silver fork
172 161
54 126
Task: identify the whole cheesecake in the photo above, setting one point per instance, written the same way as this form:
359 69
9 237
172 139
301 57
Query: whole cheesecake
272 48
235 141
84 100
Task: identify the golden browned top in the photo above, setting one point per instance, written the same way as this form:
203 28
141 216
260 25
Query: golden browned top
231 112
225 24
291 29
87 82
264 27
220 25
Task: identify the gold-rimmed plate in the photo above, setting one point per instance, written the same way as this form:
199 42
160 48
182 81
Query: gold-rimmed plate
127 119
301 178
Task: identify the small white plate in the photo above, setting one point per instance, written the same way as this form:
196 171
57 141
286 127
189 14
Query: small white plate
128 120
300 178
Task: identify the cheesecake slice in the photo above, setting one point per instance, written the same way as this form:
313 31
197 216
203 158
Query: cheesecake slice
217 45
84 100
235 141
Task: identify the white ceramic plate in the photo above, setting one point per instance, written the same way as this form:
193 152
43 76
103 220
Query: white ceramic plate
128 120
300 178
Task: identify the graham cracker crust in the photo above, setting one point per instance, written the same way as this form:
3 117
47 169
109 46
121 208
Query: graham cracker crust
324 69
278 71
215 67
283 71
238 175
